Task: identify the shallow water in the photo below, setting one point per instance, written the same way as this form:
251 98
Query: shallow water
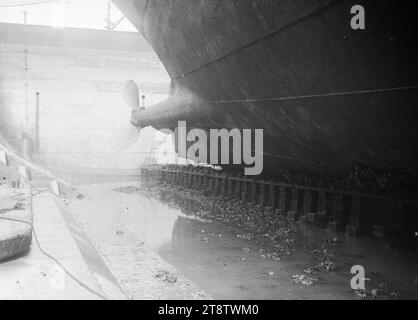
228 267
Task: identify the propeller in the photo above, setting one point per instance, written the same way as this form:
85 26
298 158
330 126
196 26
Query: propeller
130 134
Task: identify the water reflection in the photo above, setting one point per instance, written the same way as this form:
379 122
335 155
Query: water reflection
210 254
227 265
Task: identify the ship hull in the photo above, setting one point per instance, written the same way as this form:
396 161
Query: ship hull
327 96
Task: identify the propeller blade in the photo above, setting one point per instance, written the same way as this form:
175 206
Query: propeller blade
130 93
125 138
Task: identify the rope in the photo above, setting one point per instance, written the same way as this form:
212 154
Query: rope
24 4
309 96
55 259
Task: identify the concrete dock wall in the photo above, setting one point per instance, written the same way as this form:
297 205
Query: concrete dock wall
78 75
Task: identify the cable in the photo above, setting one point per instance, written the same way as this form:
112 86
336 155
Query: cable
24 4
319 95
55 259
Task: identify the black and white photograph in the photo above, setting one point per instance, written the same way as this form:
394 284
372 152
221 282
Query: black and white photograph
208 156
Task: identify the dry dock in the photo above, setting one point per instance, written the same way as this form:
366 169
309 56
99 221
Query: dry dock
228 262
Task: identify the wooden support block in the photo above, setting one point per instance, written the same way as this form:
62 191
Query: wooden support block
173 177
272 196
195 179
268 211
291 216
215 185
243 197
209 183
355 211
244 191
310 217
378 231
307 202
294 201
322 201
261 195
337 207
204 181
334 226
351 230
190 180
253 193
303 218
224 186
292 213
193 184
237 189
186 179
230 188
279 212
282 199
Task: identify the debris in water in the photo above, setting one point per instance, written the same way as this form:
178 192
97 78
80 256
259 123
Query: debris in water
304 279
325 266
166 276
383 291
